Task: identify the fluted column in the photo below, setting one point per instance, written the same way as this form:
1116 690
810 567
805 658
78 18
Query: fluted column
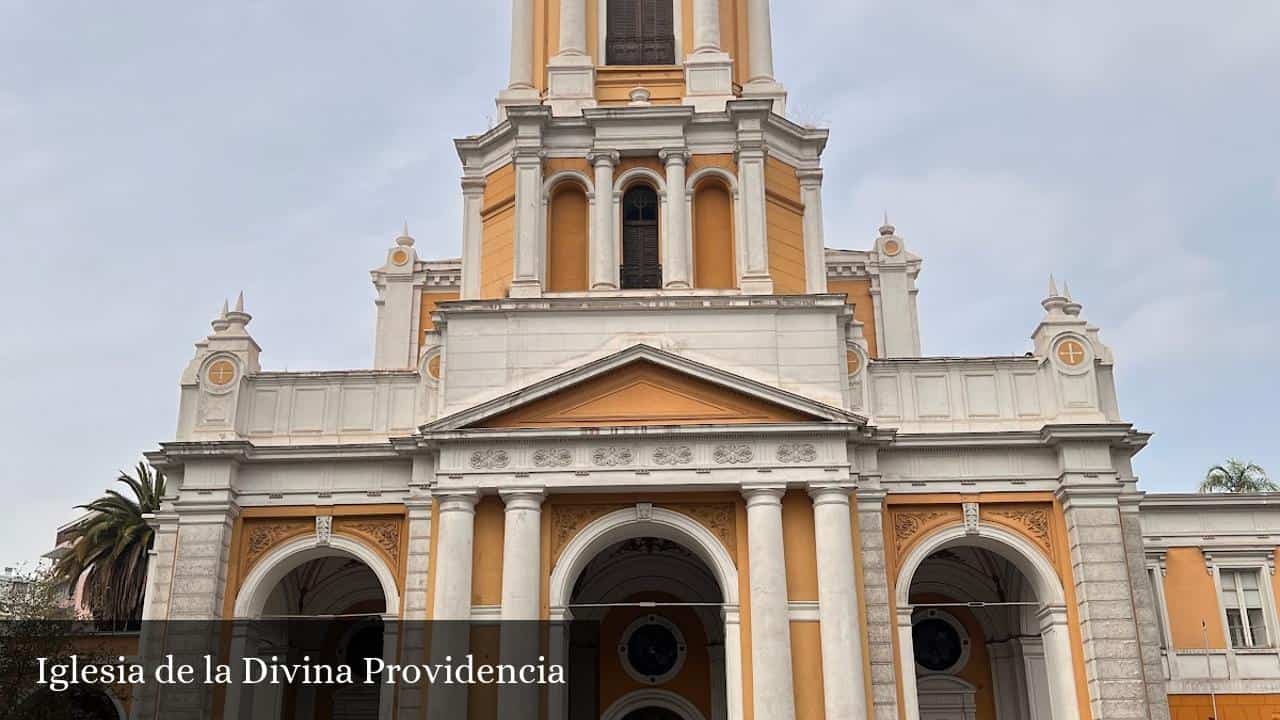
815 251
773 695
521 585
472 235
760 35
527 280
521 44
839 627
706 26
676 265
604 256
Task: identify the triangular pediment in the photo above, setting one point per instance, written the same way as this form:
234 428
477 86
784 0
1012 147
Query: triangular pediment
642 386
643 393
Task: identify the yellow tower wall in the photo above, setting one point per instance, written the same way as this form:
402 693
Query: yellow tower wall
497 243
1191 598
785 216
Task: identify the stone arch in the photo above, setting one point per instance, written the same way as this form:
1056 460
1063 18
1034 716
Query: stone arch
280 561
665 524
641 699
1047 585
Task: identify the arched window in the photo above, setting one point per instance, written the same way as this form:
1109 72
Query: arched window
641 268
641 32
714 267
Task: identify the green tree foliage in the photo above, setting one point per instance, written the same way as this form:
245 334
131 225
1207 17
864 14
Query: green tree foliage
1237 476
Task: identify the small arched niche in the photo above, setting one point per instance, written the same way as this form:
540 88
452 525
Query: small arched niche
567 238
714 265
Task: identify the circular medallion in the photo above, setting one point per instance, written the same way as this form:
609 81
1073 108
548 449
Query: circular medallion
855 361
221 373
433 367
653 650
939 645
892 247
1071 353
399 257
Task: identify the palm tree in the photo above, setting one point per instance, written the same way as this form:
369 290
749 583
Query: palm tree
111 546
1236 476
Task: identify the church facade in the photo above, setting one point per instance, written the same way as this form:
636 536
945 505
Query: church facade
650 396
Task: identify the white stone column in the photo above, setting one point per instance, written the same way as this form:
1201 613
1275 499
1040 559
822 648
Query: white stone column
773 694
760 40
815 251
761 83
391 656
527 279
840 628
677 250
571 72
907 665
451 611
706 26
719 706
519 636
1054 630
604 255
521 45
573 27
733 662
472 235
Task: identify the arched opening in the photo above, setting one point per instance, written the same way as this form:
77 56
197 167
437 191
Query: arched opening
641 259
714 266
653 622
567 239
641 32
322 605
79 702
654 605
982 630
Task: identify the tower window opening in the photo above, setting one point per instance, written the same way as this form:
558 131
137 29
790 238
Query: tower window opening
641 268
641 32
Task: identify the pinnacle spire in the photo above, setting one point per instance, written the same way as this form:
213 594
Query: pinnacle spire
240 302
1053 286
405 239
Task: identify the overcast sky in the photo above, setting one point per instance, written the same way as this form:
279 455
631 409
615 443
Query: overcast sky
156 157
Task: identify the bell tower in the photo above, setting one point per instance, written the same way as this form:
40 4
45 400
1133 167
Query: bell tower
642 148
577 54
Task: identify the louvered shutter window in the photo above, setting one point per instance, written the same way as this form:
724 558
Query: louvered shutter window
641 266
641 32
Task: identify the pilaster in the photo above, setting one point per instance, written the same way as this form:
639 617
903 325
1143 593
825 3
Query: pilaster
875 593
472 234
749 118
815 249
677 250
528 154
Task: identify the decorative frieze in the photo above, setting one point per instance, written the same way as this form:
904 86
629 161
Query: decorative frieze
490 459
381 533
910 524
552 458
720 518
567 520
613 456
1032 521
792 453
262 535
671 455
733 454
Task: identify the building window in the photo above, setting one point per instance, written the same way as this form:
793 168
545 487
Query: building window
641 32
641 269
1242 601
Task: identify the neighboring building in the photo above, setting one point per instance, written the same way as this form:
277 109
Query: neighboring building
650 395
12 587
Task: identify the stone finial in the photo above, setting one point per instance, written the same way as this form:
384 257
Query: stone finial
405 239
1072 308
238 319
1055 302
887 228
221 323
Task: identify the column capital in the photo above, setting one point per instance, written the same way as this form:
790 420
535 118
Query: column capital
1051 616
458 501
674 155
810 177
528 155
763 494
474 184
524 498
831 493
597 158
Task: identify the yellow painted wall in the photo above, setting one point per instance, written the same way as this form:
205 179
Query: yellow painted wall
482 699
567 251
1190 597
497 244
430 301
713 257
806 670
486 574
785 215
799 546
1230 707
859 292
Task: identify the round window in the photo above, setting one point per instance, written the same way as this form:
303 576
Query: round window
939 645
653 650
